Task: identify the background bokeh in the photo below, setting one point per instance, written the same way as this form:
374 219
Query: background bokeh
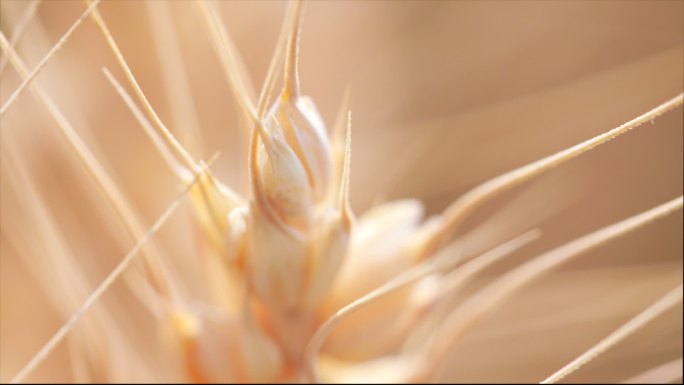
445 95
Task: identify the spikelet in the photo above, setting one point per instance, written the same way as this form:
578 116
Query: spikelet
297 234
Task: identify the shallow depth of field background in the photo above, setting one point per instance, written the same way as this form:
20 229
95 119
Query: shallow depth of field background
445 95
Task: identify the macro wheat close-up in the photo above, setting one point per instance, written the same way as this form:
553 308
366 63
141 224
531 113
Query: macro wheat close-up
341 191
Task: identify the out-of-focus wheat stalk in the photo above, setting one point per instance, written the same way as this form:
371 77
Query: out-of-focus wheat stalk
276 278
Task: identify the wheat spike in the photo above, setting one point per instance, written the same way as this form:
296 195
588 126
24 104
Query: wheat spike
277 279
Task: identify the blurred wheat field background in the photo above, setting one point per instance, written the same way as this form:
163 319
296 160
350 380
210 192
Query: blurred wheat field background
445 95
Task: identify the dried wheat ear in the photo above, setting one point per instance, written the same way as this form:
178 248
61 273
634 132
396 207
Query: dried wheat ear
290 261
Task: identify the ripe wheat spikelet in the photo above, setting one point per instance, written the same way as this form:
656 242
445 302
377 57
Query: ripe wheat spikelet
268 274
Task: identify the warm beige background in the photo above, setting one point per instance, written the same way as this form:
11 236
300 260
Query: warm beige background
445 96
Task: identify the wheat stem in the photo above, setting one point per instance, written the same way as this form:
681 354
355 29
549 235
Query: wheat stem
661 306
60 43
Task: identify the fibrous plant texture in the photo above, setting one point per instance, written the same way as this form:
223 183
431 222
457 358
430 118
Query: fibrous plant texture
406 194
